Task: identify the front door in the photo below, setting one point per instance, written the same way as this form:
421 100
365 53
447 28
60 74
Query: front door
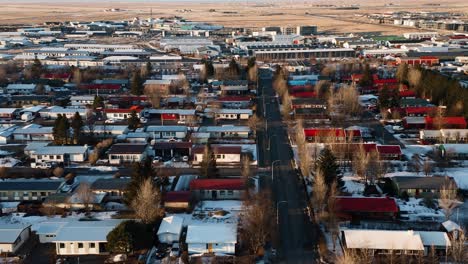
214 195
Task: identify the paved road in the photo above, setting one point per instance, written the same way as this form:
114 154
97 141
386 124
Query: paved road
297 234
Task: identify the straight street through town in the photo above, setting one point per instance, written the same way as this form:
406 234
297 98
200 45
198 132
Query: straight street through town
298 236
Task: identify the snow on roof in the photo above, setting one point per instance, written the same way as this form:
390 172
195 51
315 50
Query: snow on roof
450 226
10 232
166 128
158 82
95 231
8 110
171 224
383 239
59 150
434 238
456 148
211 234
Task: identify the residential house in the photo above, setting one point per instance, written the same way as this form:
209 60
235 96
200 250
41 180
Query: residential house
223 154
82 100
158 86
213 238
376 242
28 190
21 89
443 136
166 132
172 149
452 151
13 237
53 112
419 186
33 132
217 189
364 208
177 200
113 189
235 87
84 238
60 154
106 131
389 152
171 115
122 114
325 134
229 114
226 131
238 102
74 201
170 229
8 114
435 240
445 122
100 88
127 152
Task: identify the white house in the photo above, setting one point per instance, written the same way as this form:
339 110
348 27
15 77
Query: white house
167 132
54 111
47 231
127 152
170 229
60 154
106 130
81 100
84 237
213 238
13 236
21 88
223 154
229 114
33 132
226 131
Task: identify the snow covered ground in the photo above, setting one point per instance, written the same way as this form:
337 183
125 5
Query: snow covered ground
353 186
205 213
8 162
410 150
417 212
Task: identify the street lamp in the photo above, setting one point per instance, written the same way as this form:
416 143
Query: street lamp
273 169
277 210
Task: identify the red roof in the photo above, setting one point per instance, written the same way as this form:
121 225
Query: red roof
456 120
177 197
353 132
407 93
52 76
315 132
366 204
419 109
389 149
304 94
118 110
307 87
217 184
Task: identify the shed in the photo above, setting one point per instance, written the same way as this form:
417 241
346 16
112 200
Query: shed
170 229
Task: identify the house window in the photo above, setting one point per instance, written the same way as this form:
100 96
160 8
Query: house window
3 194
25 194
43 194
51 156
230 193
92 245
222 192
58 157
62 245
80 245
34 193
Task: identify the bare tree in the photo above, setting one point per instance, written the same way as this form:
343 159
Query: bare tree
332 219
361 161
376 167
255 123
319 194
280 85
245 168
286 106
448 198
414 77
58 171
256 221
427 167
146 204
153 95
458 252
85 195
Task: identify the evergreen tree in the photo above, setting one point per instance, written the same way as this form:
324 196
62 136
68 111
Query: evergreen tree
136 84
402 73
208 167
133 120
98 102
330 168
366 79
149 68
77 125
251 62
140 172
388 98
233 69
60 129
209 69
129 236
36 69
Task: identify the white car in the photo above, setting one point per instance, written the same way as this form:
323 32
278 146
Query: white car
181 122
185 158
397 128
143 120
109 121
44 166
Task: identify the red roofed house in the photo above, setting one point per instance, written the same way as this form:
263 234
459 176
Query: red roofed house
361 208
121 114
217 189
104 88
325 134
389 152
456 122
427 60
419 110
65 77
223 154
177 200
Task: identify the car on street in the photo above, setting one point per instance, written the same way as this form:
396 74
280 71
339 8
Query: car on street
109 121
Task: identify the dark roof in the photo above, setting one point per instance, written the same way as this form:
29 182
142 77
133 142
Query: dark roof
173 145
110 184
219 149
389 149
177 197
366 204
415 182
32 185
127 148
217 184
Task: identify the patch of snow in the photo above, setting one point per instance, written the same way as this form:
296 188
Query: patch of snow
104 168
8 162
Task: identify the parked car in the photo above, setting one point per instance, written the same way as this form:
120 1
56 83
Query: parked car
143 120
44 166
185 158
109 121
397 128
157 159
119 258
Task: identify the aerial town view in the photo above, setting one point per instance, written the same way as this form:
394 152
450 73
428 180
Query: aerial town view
234 132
